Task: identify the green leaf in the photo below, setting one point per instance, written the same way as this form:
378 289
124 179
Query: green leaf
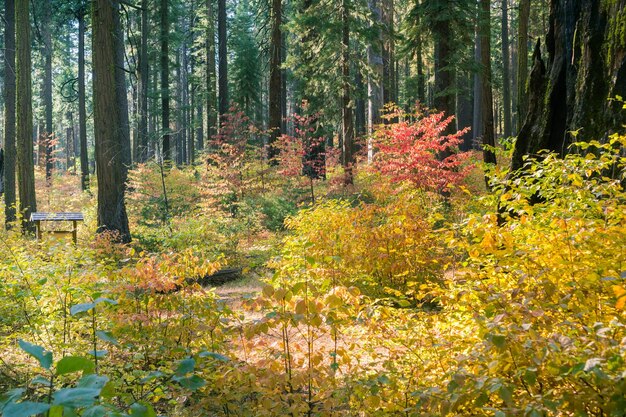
98 353
81 308
95 411
186 366
44 357
216 356
11 396
40 380
93 381
25 409
76 397
83 395
107 337
499 414
498 341
152 375
105 300
506 395
56 411
70 364
192 382
141 410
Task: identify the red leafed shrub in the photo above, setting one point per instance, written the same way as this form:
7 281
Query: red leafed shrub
303 154
416 149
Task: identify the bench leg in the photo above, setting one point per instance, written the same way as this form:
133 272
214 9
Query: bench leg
74 237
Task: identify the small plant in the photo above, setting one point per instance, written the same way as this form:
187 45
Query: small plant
417 149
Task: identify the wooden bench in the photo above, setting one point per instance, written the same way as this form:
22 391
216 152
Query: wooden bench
37 218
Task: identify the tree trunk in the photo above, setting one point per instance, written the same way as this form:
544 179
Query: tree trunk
375 79
389 70
444 73
514 96
488 130
571 92
24 111
346 109
276 84
9 113
166 151
211 96
108 121
142 88
506 78
360 122
82 111
223 57
48 136
122 96
419 64
477 113
522 62
464 107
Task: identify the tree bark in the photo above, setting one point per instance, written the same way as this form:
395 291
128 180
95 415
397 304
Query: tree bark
122 94
82 110
143 80
26 169
572 91
522 62
211 95
9 113
165 81
375 79
389 68
346 107
488 130
506 77
444 72
108 122
276 84
48 136
223 57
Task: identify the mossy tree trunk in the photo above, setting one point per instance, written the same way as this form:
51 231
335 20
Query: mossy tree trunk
586 65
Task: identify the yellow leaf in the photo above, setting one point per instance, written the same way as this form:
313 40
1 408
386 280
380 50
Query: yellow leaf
301 307
372 401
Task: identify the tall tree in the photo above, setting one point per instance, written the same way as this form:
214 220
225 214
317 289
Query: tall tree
211 96
346 104
82 108
223 56
143 79
389 62
443 65
48 136
165 80
276 83
26 169
522 61
9 113
122 92
477 127
488 128
506 78
108 121
375 79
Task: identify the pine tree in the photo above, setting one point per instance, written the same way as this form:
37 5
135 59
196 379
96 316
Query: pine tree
108 121
24 111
